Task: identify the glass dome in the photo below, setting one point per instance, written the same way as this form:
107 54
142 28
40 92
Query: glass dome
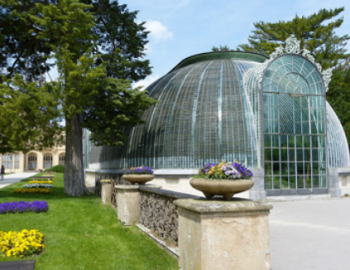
236 106
204 114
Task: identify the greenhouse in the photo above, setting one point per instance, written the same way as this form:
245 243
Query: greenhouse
270 113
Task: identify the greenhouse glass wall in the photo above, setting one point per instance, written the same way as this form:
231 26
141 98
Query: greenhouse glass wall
269 113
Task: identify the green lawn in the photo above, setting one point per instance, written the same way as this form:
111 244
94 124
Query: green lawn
82 233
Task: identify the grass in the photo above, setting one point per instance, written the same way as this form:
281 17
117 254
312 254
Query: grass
82 233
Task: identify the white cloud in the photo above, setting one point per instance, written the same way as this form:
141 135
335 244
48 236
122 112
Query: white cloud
158 31
146 82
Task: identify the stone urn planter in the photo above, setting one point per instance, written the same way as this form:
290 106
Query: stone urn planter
225 188
140 179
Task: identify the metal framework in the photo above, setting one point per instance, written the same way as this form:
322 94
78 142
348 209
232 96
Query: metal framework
294 127
269 113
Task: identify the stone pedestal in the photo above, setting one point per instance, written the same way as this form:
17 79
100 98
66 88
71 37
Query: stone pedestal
223 234
128 204
257 192
106 191
333 182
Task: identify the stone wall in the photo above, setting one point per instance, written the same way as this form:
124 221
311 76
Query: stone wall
159 213
115 180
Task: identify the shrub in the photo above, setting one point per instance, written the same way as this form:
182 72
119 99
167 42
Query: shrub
57 168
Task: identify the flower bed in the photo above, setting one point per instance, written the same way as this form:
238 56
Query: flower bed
43 178
21 244
20 207
139 170
33 190
37 186
224 170
41 182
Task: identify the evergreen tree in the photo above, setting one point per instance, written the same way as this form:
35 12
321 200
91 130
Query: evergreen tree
338 95
315 32
90 80
221 49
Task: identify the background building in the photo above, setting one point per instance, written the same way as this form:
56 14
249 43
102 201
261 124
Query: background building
270 113
34 160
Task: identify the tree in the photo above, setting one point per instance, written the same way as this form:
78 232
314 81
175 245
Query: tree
338 95
313 31
120 43
318 36
29 115
221 49
70 33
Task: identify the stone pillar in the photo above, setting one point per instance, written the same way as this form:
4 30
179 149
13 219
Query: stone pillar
106 191
128 204
223 234
333 182
257 192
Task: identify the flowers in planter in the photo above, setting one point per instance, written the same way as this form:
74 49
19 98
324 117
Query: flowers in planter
20 207
33 190
224 170
21 244
139 170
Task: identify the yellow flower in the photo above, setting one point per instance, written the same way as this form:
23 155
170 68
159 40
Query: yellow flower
17 243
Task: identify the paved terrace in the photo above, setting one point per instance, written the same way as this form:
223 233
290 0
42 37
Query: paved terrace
15 177
313 234
305 235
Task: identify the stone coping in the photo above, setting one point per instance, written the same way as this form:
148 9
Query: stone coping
167 193
111 171
165 173
344 171
235 205
104 181
126 187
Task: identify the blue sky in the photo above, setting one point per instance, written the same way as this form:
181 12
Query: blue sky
181 28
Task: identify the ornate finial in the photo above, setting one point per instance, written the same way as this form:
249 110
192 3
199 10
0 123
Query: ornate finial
292 45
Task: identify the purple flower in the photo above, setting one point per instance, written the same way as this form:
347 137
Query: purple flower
139 170
21 206
225 170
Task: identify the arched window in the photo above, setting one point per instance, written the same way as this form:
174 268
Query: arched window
294 127
32 161
7 161
47 161
16 161
62 159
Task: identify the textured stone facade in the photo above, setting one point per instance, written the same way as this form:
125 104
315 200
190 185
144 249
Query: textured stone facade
159 213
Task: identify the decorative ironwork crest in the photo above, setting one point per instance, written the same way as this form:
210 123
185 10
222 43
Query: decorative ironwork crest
293 46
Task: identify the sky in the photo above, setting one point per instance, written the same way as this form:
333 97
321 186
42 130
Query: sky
181 28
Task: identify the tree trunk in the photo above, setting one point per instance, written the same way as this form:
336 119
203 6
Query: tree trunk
74 182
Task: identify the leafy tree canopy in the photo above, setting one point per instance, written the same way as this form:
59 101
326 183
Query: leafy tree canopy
316 33
97 48
91 42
